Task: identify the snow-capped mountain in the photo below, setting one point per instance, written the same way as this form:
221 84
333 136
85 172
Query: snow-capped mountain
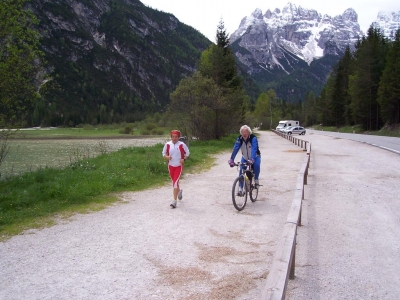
388 22
294 49
301 32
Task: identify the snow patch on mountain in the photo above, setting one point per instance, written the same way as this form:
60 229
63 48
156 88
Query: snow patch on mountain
303 32
388 22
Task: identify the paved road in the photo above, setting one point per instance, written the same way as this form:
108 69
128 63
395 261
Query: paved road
384 142
349 244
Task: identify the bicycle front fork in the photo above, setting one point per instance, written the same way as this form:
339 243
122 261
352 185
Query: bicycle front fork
246 181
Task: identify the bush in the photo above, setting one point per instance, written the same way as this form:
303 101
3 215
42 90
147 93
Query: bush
157 132
145 132
127 130
151 126
88 127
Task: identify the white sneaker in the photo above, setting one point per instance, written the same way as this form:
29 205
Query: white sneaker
180 194
173 204
256 183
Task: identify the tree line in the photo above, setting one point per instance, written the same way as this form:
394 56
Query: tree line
362 89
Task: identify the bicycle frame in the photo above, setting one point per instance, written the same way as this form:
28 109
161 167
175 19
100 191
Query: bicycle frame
243 186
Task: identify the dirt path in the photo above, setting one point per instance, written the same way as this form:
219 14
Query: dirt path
142 249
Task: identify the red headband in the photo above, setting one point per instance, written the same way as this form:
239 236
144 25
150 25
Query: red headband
177 132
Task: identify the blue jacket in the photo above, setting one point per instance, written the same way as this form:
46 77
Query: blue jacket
249 148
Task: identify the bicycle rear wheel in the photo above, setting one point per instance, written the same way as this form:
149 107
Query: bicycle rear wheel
239 195
253 191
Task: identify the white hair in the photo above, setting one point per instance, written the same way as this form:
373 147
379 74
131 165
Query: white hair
245 127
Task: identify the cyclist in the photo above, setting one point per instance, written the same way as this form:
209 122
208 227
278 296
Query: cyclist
175 152
247 142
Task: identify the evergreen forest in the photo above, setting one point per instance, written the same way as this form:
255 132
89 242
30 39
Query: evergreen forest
363 88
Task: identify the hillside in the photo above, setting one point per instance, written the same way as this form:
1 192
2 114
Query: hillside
110 60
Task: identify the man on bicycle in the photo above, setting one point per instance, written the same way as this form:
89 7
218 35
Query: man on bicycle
247 142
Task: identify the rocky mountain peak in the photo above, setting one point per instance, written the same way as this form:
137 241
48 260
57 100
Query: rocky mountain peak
296 13
301 31
276 44
350 15
388 22
293 47
257 14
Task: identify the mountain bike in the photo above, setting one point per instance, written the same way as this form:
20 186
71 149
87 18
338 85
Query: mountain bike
243 186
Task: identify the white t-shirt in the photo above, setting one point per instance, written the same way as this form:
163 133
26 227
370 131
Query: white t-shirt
177 152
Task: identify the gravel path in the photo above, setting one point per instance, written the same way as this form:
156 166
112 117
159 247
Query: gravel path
349 244
140 248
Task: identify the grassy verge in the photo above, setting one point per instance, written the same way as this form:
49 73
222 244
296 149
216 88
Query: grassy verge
37 199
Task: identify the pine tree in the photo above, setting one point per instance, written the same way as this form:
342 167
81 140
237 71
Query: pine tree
262 108
364 82
340 102
389 86
309 110
323 107
222 37
19 53
218 63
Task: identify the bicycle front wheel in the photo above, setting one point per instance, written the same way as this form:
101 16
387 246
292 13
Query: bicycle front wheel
239 193
253 191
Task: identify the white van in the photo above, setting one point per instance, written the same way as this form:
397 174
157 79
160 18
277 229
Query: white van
286 123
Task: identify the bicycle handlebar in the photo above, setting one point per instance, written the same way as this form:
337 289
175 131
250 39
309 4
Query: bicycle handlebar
242 164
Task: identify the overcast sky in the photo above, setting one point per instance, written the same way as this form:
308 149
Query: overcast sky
205 15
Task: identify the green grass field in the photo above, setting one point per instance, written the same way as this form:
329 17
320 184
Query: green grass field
36 199
28 155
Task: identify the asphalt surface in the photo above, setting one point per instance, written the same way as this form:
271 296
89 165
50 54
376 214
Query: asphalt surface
349 244
388 143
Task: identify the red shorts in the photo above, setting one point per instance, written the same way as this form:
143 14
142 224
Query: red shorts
175 174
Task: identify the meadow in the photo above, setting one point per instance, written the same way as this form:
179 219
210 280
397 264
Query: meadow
26 155
65 183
